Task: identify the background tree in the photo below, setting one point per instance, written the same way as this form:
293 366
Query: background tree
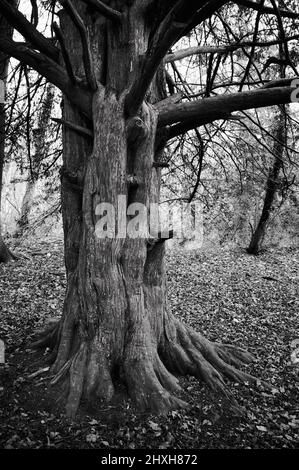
228 176
7 30
41 150
117 118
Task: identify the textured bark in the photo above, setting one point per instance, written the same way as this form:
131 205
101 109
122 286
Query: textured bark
116 325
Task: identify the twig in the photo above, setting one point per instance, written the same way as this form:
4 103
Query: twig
81 130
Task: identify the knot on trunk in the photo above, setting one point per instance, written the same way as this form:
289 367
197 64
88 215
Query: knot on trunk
137 131
132 181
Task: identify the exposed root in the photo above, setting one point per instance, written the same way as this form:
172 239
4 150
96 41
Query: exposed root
146 387
190 353
98 377
77 370
166 379
149 371
62 372
66 341
48 337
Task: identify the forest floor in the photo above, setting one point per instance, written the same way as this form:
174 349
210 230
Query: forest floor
229 296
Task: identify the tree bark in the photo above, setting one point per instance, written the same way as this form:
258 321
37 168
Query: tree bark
116 325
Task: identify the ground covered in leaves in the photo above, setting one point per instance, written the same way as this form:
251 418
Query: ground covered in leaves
228 296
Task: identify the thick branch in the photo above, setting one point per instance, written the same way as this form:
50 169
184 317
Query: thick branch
256 6
170 30
87 59
212 109
173 99
105 10
204 13
53 72
185 126
280 82
26 29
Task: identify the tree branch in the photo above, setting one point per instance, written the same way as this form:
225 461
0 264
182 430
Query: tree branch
49 69
79 129
188 125
105 10
183 53
64 52
212 109
87 59
26 29
256 6
173 99
280 82
170 30
205 12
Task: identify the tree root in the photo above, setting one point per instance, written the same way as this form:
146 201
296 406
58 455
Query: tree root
190 353
47 337
150 386
149 371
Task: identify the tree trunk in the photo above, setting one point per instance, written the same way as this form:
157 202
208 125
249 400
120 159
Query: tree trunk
272 184
5 254
116 325
41 149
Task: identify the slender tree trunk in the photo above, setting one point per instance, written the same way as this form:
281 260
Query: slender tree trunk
116 325
23 221
41 149
272 184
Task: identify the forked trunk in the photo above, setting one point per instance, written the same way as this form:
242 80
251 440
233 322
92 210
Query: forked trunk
116 324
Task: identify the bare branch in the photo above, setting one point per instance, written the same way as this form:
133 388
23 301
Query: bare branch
87 59
212 109
205 12
185 126
53 72
256 6
34 14
26 29
280 82
105 10
79 129
64 52
183 53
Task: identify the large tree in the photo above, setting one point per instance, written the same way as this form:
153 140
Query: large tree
109 62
